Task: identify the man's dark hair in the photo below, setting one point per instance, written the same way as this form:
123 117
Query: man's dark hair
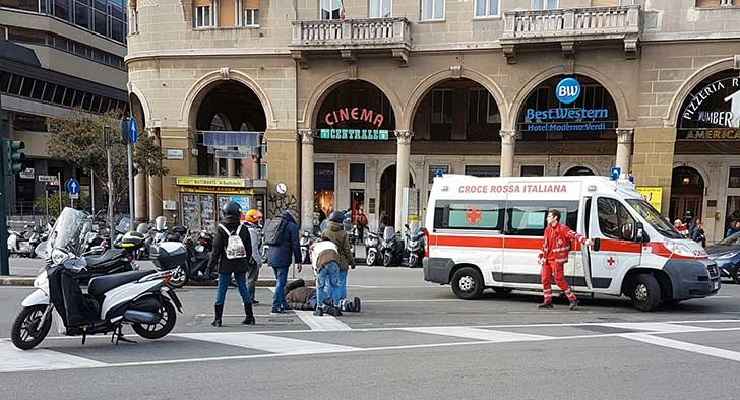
555 213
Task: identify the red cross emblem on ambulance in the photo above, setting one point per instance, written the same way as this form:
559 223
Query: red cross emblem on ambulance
611 262
474 216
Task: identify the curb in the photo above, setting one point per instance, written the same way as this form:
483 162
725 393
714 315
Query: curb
28 281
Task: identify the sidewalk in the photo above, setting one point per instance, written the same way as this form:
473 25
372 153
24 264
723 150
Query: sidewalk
266 277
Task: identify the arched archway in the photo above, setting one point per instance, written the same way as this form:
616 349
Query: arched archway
228 104
387 202
579 170
457 110
567 108
687 193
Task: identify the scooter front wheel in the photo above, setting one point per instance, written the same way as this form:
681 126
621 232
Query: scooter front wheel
168 317
370 259
28 328
387 260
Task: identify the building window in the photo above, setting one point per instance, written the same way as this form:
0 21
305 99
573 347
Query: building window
532 170
714 3
734 177
487 8
545 4
432 10
483 171
250 13
379 9
331 9
202 17
28 5
437 170
82 13
442 106
357 173
61 9
483 108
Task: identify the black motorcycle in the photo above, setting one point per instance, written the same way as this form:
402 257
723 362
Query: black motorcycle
188 260
392 249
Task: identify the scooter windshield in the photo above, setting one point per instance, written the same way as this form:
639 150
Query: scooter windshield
69 231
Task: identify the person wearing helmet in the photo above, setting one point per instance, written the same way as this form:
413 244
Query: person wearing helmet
232 254
253 221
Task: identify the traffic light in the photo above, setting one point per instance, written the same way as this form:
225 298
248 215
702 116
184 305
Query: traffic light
15 157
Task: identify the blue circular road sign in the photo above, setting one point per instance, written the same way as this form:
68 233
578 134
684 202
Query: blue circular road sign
72 186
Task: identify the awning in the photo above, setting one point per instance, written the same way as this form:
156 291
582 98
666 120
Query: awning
231 138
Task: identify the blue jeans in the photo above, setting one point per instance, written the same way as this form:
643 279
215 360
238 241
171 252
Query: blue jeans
224 279
340 291
281 279
327 280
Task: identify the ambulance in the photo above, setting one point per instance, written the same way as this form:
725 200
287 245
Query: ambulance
488 233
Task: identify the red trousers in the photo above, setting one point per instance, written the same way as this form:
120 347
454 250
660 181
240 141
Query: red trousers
548 269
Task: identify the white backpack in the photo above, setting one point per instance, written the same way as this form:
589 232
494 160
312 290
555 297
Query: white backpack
235 247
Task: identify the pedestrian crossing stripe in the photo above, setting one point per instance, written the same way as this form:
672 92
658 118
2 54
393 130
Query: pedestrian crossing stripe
54 358
266 343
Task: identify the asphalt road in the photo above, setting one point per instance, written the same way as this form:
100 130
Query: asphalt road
412 340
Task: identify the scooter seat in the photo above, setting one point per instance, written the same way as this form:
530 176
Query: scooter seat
101 284
109 255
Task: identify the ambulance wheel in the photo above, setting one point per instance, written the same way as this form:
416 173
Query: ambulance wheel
467 283
646 295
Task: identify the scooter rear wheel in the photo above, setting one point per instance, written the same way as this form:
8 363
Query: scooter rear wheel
28 330
161 328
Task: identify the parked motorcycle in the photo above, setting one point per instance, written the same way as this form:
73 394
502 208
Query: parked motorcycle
392 248
143 300
414 249
187 260
372 248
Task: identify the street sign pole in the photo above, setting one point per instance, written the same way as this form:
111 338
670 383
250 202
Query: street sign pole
92 192
131 182
4 263
59 179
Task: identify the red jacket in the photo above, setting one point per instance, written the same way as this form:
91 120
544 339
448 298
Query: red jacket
557 243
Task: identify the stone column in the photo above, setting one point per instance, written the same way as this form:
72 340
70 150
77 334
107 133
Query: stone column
231 167
155 184
624 149
508 139
403 154
140 198
307 188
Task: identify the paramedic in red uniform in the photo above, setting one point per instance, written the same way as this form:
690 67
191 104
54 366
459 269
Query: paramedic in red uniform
554 255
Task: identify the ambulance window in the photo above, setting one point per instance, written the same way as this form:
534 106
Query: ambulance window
528 218
612 215
468 215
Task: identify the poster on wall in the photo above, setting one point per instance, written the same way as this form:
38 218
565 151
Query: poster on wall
712 111
243 201
652 194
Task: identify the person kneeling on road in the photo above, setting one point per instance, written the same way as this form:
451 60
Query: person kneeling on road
302 297
325 262
554 256
335 232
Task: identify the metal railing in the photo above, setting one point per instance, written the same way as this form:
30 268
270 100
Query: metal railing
593 22
349 33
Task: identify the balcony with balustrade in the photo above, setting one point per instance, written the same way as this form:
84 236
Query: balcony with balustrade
570 28
350 37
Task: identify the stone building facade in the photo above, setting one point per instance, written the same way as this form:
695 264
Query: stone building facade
352 101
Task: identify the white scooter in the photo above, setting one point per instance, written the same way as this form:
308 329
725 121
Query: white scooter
143 300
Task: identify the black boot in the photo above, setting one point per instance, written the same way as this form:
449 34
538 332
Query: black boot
546 305
218 311
357 304
249 319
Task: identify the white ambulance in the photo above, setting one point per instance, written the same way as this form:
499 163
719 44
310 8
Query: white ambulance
488 232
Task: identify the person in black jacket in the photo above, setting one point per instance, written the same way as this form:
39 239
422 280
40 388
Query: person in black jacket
232 259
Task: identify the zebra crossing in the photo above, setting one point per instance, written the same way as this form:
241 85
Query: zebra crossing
62 353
